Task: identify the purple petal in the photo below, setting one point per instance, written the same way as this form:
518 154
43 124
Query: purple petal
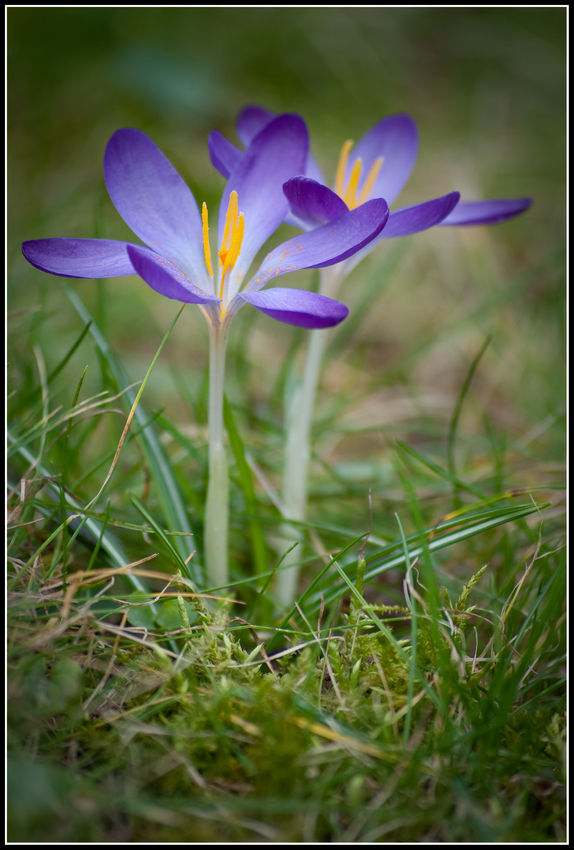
224 155
277 153
154 201
486 212
395 139
312 202
251 121
166 278
298 307
88 258
326 245
420 217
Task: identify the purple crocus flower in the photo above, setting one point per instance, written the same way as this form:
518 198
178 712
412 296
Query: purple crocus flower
377 167
176 261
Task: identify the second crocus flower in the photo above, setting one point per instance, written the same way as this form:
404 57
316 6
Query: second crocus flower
378 166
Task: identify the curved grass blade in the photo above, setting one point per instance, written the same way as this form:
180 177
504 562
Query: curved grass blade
251 503
161 533
25 400
315 583
485 521
458 407
92 528
168 489
412 605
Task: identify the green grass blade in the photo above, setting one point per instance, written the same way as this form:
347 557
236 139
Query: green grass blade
251 503
25 400
265 585
412 606
458 407
443 473
382 564
92 526
161 533
165 480
306 593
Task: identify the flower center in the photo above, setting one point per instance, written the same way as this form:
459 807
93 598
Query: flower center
231 242
349 193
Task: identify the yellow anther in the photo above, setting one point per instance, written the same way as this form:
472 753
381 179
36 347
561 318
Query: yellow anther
232 239
206 248
369 182
235 246
342 167
349 193
353 183
230 226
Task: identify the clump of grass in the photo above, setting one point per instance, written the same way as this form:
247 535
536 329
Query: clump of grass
415 691
428 707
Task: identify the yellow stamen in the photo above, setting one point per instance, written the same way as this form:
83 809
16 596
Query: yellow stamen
230 225
232 239
369 182
342 167
235 246
353 183
206 248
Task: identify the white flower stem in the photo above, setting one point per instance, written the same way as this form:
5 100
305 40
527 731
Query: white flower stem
298 445
217 504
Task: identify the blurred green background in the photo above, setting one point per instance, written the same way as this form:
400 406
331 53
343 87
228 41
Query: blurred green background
487 90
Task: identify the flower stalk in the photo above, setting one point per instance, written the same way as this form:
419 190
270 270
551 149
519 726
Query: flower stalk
217 503
377 167
298 445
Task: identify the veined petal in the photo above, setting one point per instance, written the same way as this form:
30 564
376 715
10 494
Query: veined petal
87 258
277 153
250 121
332 243
298 307
396 140
154 201
163 276
312 202
486 212
420 217
224 155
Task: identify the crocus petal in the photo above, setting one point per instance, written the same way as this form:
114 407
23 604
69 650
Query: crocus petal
154 201
251 121
277 153
486 212
224 155
313 203
88 258
298 307
396 140
332 243
420 217
166 278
